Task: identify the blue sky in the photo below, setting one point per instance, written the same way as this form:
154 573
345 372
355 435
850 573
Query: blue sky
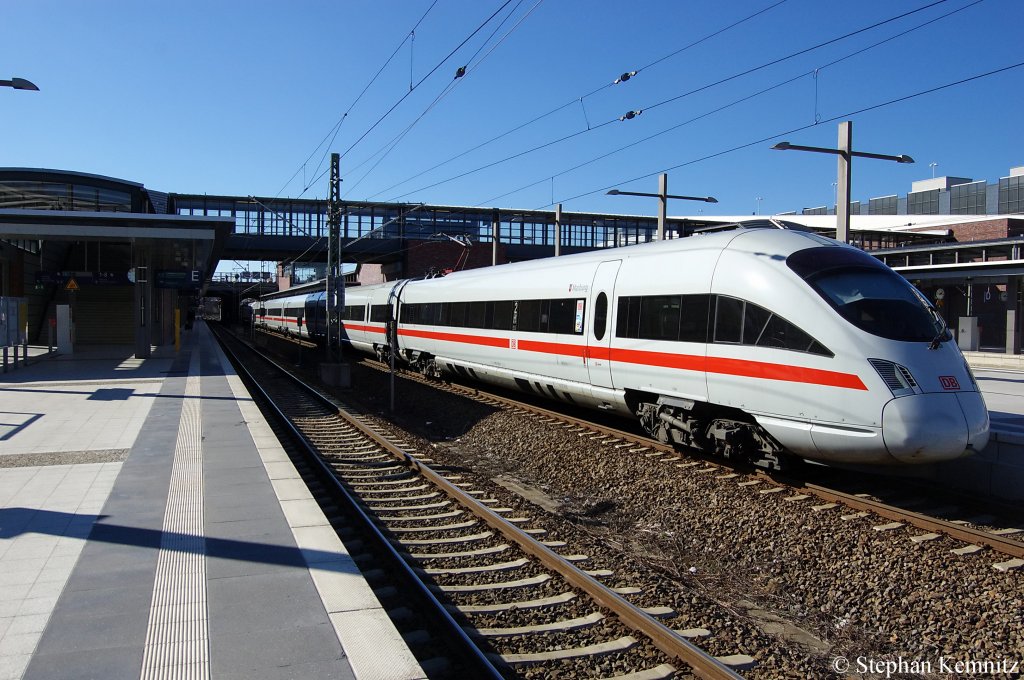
234 97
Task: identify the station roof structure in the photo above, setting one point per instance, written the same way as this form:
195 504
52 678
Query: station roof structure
38 204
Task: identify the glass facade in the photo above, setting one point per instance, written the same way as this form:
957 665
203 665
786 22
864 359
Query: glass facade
1011 195
298 217
885 205
26 189
923 202
43 195
854 210
967 199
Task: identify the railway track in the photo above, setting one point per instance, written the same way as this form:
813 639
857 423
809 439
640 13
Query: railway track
531 607
913 506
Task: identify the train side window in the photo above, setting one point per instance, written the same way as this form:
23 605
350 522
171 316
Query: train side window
545 316
659 317
458 315
431 313
409 313
628 324
755 319
562 317
503 313
476 314
729 320
528 316
600 316
784 335
693 318
380 313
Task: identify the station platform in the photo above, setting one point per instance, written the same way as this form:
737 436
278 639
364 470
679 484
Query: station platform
152 526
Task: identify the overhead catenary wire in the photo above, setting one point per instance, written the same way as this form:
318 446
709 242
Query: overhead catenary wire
776 135
424 78
763 140
460 73
460 77
797 54
579 99
802 128
333 132
648 138
671 99
411 89
735 102
706 38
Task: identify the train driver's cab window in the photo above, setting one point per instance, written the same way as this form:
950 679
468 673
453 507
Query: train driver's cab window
869 295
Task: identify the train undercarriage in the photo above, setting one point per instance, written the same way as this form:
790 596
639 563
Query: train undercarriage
715 430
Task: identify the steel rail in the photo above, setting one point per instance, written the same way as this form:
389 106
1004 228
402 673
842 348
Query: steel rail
999 543
663 637
326 475
1002 544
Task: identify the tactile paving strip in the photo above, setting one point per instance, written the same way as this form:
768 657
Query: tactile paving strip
177 639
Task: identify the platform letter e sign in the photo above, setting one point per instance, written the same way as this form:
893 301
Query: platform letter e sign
949 382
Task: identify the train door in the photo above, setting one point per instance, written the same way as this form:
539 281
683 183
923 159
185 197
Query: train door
599 327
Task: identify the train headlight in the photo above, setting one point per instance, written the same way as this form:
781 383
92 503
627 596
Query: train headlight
896 377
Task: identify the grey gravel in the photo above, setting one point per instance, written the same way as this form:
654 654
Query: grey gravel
13 460
771 578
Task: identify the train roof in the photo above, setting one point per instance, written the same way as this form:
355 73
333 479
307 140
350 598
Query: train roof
713 237
318 286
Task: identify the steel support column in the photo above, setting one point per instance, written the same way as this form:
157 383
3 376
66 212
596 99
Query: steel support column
843 179
558 230
143 298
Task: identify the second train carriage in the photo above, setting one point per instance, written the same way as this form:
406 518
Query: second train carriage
753 342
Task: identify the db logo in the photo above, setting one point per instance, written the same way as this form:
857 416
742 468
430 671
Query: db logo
949 382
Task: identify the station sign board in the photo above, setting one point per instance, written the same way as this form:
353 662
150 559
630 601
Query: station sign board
62 278
180 279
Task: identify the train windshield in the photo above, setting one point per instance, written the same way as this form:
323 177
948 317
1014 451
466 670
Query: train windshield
869 295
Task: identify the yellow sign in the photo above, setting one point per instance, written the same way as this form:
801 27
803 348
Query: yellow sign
72 285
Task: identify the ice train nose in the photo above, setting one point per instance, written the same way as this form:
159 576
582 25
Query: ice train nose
929 428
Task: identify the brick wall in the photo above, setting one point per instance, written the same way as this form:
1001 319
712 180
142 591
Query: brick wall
982 230
424 256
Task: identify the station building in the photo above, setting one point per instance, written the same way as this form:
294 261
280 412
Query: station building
88 259
119 263
945 196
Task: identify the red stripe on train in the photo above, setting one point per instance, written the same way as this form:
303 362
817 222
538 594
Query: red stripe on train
686 362
484 340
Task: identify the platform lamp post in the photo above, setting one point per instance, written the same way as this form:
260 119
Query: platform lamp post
845 153
19 84
662 197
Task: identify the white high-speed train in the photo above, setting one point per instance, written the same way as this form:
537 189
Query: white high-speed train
755 342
